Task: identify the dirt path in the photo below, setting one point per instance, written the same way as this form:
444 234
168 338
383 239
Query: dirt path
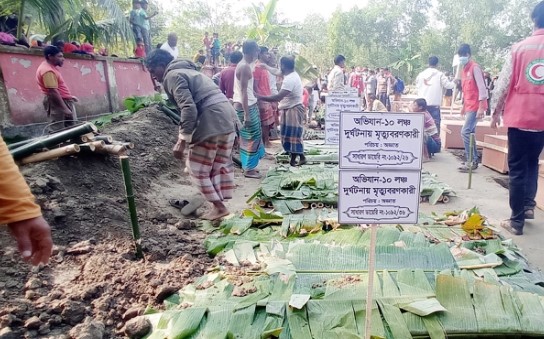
93 282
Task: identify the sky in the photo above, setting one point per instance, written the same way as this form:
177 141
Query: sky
297 10
291 10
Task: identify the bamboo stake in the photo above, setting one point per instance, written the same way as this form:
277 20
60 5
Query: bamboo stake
125 167
52 154
108 139
471 157
371 271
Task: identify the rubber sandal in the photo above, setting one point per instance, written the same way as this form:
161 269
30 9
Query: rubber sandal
253 175
179 204
193 205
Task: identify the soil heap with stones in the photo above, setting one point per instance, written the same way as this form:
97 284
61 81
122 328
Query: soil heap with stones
93 285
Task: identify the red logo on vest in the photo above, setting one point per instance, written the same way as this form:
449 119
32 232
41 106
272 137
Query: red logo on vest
535 72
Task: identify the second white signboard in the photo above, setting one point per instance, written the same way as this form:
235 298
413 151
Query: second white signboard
378 197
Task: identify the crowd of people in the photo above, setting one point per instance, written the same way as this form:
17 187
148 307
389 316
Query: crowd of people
247 104
254 96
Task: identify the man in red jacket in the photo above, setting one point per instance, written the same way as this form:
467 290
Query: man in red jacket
519 96
475 102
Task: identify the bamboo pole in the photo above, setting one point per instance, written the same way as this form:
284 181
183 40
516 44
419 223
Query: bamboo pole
477 267
52 154
128 145
85 138
92 146
371 271
173 115
125 168
52 140
471 157
108 139
112 149
455 90
88 147
19 144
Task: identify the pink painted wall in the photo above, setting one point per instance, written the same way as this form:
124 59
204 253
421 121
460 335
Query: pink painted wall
130 80
86 77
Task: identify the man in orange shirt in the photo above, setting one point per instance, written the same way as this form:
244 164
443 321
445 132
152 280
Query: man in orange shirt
58 101
262 87
22 215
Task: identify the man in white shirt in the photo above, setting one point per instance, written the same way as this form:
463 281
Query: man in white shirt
431 84
292 111
171 45
336 78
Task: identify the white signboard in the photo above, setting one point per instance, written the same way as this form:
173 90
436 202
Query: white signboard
381 140
337 102
378 197
380 167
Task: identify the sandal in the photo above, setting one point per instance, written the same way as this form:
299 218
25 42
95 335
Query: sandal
179 204
254 175
193 205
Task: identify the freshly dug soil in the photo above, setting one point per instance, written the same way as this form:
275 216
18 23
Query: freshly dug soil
93 284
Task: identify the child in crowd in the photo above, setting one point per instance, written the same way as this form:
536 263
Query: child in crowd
139 51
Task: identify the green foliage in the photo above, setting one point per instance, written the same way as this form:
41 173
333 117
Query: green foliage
136 103
95 21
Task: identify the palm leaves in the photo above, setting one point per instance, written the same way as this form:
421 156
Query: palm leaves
264 25
92 20
407 59
267 30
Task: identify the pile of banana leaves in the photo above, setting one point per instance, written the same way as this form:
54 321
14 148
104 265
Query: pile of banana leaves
290 189
314 154
426 286
313 134
434 190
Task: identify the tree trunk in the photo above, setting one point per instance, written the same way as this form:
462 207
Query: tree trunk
20 22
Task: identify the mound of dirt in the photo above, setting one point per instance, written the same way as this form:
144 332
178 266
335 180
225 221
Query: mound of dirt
93 282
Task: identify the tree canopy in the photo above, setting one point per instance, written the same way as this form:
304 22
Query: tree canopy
400 34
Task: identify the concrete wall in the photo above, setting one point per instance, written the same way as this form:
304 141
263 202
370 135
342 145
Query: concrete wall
100 83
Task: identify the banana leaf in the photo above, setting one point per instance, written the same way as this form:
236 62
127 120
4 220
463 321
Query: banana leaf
186 323
454 295
332 319
241 320
395 325
494 308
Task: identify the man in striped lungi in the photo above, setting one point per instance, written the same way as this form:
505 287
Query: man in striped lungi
207 127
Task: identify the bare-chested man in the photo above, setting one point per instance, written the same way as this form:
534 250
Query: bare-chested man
245 103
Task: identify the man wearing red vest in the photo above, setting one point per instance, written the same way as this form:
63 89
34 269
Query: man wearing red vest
475 102
519 96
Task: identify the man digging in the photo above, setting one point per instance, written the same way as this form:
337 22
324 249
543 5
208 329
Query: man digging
206 128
